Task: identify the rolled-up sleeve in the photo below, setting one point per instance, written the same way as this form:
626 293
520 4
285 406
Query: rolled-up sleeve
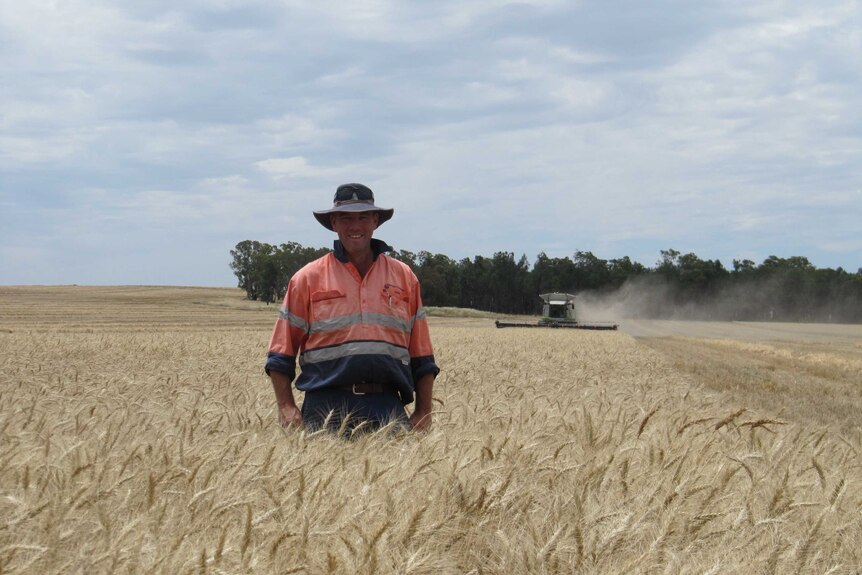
290 330
421 366
421 350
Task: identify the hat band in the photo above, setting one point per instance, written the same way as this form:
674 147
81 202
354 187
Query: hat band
345 202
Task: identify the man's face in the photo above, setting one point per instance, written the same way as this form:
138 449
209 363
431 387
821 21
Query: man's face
355 229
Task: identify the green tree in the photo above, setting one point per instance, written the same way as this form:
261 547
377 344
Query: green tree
668 265
246 263
791 282
406 257
438 276
591 272
507 281
699 277
290 257
553 274
476 283
622 270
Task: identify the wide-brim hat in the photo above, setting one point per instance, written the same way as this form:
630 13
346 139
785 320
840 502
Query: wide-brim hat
353 198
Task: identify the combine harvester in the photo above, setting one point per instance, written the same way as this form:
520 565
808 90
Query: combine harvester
558 310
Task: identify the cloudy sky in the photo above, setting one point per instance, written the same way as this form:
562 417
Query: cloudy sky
140 141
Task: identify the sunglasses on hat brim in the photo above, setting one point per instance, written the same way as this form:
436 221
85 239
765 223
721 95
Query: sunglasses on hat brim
353 193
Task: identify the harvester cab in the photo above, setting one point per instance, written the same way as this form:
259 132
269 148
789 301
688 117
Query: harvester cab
558 307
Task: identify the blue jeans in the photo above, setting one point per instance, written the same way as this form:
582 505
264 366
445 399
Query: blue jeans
368 412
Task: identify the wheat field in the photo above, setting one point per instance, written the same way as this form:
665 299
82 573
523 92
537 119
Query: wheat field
139 435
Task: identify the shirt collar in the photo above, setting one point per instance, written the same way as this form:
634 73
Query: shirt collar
377 247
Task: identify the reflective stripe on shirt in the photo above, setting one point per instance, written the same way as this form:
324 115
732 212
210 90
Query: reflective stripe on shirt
293 319
346 321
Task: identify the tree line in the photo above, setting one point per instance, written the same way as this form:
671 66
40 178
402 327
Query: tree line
678 285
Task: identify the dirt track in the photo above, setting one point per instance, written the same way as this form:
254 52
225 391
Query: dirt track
744 331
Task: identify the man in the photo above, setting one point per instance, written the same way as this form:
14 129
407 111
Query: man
355 319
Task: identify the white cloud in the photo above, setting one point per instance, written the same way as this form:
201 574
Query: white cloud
291 131
293 167
26 149
412 22
850 246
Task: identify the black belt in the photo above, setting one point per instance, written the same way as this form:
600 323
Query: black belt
363 387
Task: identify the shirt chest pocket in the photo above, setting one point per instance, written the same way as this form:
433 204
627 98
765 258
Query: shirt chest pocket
397 301
329 304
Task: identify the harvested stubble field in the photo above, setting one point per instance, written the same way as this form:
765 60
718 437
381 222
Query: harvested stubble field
139 436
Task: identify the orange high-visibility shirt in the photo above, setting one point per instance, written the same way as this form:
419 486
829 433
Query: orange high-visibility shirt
346 329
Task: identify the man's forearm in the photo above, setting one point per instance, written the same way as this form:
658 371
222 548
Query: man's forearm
283 391
288 413
424 390
421 417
